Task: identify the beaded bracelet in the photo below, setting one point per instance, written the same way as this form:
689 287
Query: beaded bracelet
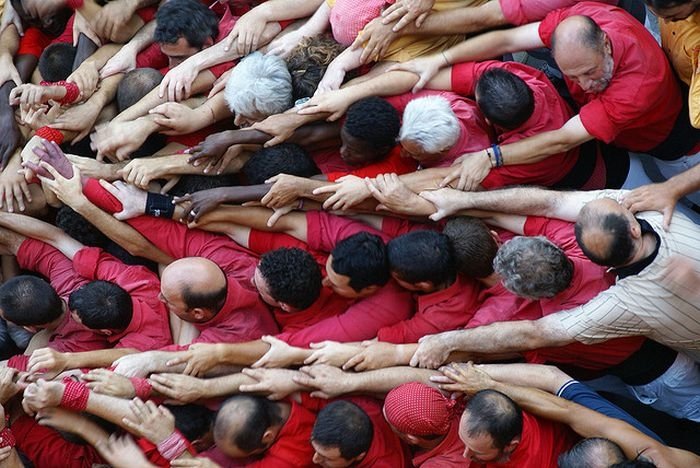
142 387
497 153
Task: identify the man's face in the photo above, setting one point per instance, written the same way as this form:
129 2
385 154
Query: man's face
591 69
330 457
677 12
172 298
411 149
480 448
339 283
42 14
259 283
178 52
355 151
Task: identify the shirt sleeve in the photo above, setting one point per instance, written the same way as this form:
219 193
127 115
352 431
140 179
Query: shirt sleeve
48 261
393 163
464 77
324 230
33 42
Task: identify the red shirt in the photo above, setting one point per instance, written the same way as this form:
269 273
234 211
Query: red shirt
550 113
519 12
500 305
149 327
46 448
588 280
448 454
447 309
541 443
392 163
475 134
395 227
639 107
69 336
386 449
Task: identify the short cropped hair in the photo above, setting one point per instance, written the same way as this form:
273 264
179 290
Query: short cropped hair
135 85
363 258
286 158
343 425
591 452
260 414
102 305
211 300
190 19
473 246
292 275
533 267
56 61
494 414
374 121
422 256
504 98
26 300
259 84
431 123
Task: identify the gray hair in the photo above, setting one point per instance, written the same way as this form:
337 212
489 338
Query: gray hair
430 122
259 84
533 267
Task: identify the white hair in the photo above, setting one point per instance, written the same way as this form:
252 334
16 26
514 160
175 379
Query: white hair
259 84
430 123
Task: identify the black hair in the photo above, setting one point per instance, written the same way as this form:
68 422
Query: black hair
474 247
194 421
665 4
308 61
286 158
422 256
192 183
135 85
260 414
79 228
363 258
495 414
102 305
212 300
504 98
343 425
26 300
590 452
56 61
190 19
292 275
616 228
374 121
638 462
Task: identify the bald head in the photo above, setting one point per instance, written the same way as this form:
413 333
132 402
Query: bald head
592 453
605 232
198 282
243 425
576 32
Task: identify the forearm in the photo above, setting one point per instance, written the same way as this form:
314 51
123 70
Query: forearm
318 23
494 44
389 83
240 354
142 39
538 147
224 386
9 42
215 110
96 359
12 461
102 56
382 381
36 229
111 408
546 378
279 10
91 432
538 402
121 233
498 337
685 183
459 21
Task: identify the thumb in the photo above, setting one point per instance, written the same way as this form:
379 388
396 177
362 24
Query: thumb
668 214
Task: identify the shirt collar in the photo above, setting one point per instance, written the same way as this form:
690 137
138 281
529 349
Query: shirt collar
637 267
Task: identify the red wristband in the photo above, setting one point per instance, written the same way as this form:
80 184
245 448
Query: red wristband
19 362
74 4
7 438
75 395
72 90
174 446
50 134
142 387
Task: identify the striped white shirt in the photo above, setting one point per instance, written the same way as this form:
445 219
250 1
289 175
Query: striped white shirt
641 304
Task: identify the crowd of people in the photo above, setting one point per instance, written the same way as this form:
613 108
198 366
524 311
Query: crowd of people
377 233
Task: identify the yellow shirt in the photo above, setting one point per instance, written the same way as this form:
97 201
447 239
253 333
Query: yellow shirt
681 42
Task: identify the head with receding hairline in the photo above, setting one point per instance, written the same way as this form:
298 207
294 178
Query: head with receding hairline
583 53
193 288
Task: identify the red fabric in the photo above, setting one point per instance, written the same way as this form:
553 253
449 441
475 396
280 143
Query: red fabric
550 113
448 454
519 12
324 231
50 134
329 161
417 409
101 197
386 450
75 395
142 387
395 227
261 242
147 14
475 134
639 107
74 4
33 42
149 327
152 57
68 336
7 438
541 444
19 362
46 448
500 305
436 312
588 280
327 305
349 17
152 454
393 162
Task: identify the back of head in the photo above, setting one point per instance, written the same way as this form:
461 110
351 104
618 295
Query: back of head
430 123
286 158
292 275
533 267
493 413
135 85
639 462
56 62
260 85
594 452
190 19
243 420
308 61
604 237
194 421
29 301
504 98
201 283
191 183
80 228
363 258
102 305
577 31
419 410
374 121
343 425
422 256
474 246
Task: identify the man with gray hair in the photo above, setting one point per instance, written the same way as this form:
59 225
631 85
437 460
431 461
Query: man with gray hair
259 86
